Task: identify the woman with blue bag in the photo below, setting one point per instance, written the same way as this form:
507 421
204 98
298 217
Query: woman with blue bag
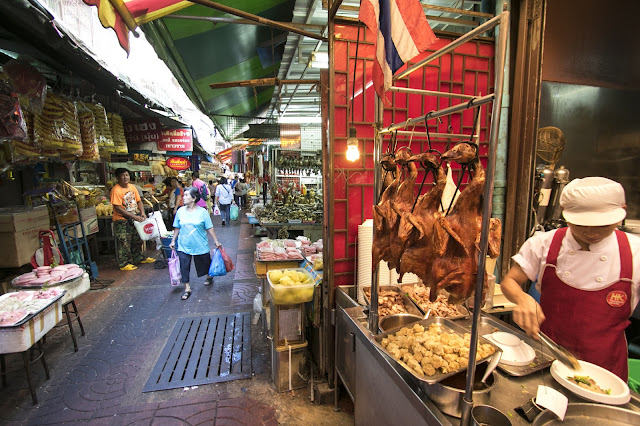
192 224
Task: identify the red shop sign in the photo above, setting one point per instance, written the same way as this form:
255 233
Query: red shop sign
178 163
176 140
140 131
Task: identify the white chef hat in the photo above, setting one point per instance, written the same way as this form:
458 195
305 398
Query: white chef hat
593 201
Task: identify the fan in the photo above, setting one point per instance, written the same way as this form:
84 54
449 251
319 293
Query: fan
551 142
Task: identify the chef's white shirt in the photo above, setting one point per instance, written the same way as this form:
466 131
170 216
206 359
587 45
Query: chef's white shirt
585 270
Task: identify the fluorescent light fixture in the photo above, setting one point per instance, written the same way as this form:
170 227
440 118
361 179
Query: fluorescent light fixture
319 60
299 120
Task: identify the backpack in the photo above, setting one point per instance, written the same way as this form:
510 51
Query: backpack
204 193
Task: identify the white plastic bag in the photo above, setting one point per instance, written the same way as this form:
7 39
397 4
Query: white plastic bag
147 229
216 211
162 228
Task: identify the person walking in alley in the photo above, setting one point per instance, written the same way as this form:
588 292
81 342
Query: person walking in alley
192 223
175 197
127 208
240 192
202 190
224 198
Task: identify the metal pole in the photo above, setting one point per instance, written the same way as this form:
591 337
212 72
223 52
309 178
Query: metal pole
486 215
449 47
377 185
441 113
240 21
428 92
256 18
432 135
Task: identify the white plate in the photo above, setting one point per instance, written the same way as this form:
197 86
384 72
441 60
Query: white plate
515 352
604 378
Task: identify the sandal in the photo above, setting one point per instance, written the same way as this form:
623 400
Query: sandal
148 260
129 267
186 295
208 281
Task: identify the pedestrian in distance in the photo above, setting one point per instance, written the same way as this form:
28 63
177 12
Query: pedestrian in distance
192 223
240 192
202 189
127 209
224 198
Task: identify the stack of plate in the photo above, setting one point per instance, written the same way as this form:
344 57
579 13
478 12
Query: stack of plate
514 351
365 274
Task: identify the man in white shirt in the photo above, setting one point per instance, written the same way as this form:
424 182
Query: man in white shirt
588 276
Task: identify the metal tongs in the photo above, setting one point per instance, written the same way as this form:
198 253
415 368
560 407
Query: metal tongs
563 355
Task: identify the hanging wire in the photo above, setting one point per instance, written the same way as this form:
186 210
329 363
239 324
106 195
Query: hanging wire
355 63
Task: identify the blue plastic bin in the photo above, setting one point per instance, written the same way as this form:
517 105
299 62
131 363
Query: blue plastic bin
165 243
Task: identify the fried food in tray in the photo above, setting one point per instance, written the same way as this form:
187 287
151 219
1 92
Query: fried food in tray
440 308
432 349
391 300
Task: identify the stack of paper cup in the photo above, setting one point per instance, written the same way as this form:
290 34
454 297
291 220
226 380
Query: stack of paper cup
365 272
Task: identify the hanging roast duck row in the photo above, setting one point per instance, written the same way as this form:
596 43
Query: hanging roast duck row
416 236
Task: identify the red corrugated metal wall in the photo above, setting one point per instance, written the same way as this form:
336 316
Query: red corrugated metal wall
468 70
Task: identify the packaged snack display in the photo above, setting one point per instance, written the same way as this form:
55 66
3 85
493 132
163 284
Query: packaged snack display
117 131
90 151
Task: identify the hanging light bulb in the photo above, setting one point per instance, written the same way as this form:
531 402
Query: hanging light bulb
353 153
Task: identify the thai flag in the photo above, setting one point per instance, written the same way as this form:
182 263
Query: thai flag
402 34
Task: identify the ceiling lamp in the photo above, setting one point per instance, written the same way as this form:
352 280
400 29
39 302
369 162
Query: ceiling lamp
319 60
353 153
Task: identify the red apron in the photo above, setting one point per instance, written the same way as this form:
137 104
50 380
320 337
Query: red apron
590 324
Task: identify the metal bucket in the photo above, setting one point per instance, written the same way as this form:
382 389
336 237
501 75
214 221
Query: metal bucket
397 320
448 394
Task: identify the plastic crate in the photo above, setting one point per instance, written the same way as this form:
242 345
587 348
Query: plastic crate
634 374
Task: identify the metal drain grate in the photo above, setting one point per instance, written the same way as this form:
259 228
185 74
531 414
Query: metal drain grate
204 350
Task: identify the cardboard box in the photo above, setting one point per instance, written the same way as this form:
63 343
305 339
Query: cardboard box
18 247
89 221
20 218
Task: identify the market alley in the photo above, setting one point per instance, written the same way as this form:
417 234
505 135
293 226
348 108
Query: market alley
127 324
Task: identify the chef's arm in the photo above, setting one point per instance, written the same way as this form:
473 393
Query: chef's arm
528 313
213 235
119 209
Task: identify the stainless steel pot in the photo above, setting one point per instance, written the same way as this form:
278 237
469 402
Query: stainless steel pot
448 394
390 322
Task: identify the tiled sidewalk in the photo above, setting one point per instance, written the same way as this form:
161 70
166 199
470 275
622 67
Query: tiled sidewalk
127 324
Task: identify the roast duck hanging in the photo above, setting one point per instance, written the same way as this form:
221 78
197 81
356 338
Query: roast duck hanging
440 246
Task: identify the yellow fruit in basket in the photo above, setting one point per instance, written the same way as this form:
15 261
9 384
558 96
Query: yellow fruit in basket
293 275
302 277
286 281
275 276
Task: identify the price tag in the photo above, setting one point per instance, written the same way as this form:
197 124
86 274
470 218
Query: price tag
553 400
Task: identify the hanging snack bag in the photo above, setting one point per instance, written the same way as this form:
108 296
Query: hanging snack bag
103 132
87 122
117 131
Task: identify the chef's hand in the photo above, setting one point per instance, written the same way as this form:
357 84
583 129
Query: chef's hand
528 315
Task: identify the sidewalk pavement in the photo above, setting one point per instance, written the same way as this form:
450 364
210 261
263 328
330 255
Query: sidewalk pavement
127 325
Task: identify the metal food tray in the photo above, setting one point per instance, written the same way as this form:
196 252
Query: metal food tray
409 306
450 327
543 359
280 260
31 314
580 414
50 284
464 312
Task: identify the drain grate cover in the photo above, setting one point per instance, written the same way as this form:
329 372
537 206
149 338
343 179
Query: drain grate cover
204 350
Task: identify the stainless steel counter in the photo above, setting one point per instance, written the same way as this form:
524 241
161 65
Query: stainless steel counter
386 394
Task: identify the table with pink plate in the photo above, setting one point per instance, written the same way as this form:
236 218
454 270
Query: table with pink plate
75 283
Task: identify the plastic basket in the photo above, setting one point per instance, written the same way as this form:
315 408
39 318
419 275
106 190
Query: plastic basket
634 374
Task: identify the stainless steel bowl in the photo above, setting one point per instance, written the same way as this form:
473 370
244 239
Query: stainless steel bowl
391 322
448 394
487 415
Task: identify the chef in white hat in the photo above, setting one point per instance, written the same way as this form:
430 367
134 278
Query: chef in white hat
588 275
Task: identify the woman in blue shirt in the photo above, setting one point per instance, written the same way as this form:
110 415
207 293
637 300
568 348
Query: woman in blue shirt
192 224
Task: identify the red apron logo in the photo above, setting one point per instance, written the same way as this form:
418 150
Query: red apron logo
616 298
148 228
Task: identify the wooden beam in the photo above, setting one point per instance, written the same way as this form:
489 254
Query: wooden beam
256 18
260 82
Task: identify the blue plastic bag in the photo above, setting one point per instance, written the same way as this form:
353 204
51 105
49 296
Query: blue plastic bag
233 212
217 268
